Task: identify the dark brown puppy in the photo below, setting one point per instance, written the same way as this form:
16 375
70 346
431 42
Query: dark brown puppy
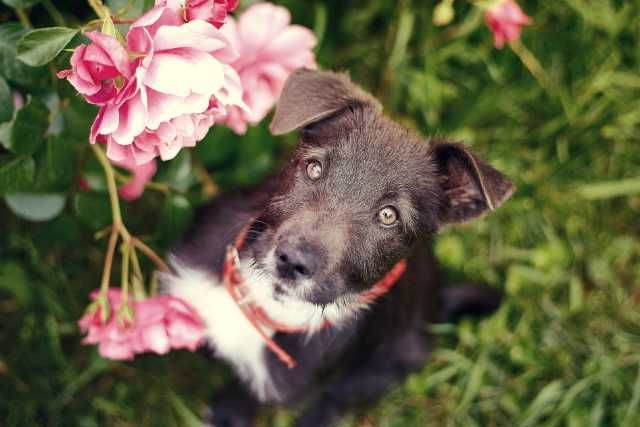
359 194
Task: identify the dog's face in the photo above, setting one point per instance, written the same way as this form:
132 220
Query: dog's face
358 191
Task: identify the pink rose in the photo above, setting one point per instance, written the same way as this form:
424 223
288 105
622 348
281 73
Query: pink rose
141 174
166 141
95 66
505 19
184 327
269 49
213 11
151 331
180 82
160 324
113 339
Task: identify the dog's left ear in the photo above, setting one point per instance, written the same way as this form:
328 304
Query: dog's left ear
309 96
470 187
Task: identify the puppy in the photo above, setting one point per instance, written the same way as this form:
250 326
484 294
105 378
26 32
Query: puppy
327 303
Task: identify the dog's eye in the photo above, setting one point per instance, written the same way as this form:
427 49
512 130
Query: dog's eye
314 170
388 216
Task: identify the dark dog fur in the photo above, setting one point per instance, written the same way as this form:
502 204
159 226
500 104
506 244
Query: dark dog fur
330 228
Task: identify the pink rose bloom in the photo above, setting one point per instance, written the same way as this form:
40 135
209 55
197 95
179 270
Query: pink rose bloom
180 82
113 339
184 328
213 11
95 66
151 332
160 324
269 49
141 174
505 19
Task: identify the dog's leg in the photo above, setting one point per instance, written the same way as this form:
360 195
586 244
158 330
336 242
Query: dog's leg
389 364
234 408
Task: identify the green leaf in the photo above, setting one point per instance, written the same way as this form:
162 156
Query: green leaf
14 279
13 70
36 207
40 46
59 165
176 217
78 115
16 173
5 134
6 101
93 209
29 126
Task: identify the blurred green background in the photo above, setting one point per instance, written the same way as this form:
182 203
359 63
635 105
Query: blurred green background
564 348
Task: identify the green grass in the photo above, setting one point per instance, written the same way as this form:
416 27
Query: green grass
564 348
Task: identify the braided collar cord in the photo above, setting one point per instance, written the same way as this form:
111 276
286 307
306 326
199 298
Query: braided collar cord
257 316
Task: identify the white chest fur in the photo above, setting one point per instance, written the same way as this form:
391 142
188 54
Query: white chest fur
231 336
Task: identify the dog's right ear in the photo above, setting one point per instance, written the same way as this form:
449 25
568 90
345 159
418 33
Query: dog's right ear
309 96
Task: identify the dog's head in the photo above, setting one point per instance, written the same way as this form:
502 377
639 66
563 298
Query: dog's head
358 191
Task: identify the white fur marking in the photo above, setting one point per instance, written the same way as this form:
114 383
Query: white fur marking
230 334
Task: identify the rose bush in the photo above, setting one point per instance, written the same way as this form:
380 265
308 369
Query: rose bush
175 76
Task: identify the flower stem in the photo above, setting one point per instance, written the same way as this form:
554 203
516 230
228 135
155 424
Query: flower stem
108 262
540 74
54 13
117 216
160 264
124 281
112 188
118 20
23 17
138 278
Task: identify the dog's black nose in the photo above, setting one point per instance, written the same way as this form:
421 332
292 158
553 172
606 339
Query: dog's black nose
296 261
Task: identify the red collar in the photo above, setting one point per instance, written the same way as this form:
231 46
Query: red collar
233 282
